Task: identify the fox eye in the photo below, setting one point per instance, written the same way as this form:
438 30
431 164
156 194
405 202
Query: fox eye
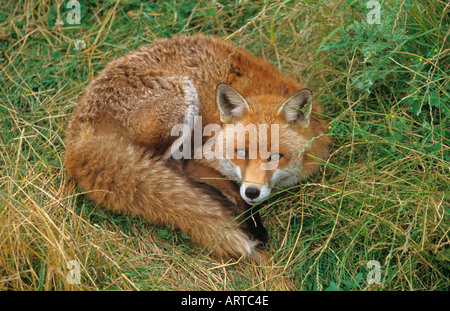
241 153
275 157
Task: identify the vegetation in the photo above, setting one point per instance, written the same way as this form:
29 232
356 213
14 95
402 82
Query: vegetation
383 195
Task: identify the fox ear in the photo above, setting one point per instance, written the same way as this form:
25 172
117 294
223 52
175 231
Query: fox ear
297 108
232 105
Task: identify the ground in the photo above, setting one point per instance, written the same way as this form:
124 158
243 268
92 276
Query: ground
376 217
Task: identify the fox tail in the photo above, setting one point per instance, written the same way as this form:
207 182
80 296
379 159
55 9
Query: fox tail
127 178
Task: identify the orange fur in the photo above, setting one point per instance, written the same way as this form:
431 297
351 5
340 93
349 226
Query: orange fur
118 136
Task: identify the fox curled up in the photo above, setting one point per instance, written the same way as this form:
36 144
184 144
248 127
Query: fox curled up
120 148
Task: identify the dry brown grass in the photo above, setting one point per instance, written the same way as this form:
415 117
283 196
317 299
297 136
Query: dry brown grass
363 206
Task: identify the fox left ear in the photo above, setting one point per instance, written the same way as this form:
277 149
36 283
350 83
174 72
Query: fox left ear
232 105
297 108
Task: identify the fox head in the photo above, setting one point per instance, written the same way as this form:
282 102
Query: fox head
266 139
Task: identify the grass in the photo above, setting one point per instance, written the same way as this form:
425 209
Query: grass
382 195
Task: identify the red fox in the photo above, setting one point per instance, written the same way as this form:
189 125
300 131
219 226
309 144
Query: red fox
120 143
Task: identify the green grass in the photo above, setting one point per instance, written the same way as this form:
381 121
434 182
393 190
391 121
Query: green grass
382 195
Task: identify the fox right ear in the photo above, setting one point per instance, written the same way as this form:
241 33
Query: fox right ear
232 105
297 108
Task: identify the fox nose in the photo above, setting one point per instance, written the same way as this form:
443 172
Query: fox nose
252 192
